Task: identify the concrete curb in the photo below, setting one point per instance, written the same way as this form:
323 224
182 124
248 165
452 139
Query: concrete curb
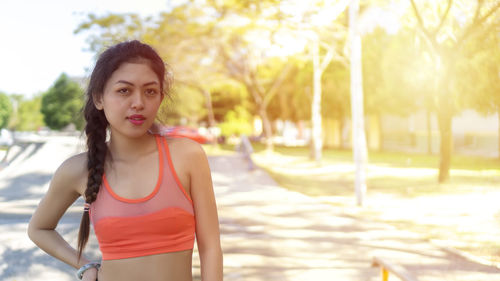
463 254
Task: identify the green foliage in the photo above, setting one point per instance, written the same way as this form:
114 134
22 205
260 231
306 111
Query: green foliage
336 98
236 122
396 76
209 41
293 99
62 103
5 110
226 95
187 104
463 45
480 75
110 29
30 117
27 116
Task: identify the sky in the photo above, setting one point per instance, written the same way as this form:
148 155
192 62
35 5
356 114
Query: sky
37 43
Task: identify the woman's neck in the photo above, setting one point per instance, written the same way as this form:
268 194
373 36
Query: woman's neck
130 149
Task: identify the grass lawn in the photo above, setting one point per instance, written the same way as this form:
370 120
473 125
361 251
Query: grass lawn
399 174
402 190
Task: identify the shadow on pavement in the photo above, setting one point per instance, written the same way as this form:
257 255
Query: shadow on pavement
270 233
26 186
267 233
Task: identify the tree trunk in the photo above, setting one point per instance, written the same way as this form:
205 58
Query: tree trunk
210 112
300 129
337 133
285 109
316 138
429 132
266 124
445 115
381 132
446 136
341 129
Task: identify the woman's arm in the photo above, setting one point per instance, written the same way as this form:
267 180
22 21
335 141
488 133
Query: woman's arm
64 189
207 222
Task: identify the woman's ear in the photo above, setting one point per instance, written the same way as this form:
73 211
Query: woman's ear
97 101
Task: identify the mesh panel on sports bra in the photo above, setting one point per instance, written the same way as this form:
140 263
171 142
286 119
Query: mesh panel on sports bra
161 222
168 193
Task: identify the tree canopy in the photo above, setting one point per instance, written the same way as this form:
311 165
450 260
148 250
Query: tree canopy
61 104
272 59
5 110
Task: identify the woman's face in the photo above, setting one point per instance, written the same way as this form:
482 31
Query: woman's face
131 99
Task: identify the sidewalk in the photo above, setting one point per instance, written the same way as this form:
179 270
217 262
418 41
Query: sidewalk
268 233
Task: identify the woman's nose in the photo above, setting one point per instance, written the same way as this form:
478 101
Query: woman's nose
137 101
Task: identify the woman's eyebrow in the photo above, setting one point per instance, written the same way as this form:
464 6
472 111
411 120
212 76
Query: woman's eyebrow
132 84
125 82
150 83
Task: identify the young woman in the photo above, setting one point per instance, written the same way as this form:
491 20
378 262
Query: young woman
146 195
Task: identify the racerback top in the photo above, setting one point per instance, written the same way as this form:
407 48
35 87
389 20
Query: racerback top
161 222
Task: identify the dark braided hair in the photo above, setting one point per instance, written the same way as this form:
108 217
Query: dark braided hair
96 122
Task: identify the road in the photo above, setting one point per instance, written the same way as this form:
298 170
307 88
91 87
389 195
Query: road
267 232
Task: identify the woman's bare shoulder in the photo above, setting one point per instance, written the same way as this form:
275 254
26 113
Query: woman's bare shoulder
75 164
185 147
73 171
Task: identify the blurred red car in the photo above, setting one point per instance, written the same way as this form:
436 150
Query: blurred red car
185 132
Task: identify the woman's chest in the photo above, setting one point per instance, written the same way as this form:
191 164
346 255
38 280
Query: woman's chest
134 180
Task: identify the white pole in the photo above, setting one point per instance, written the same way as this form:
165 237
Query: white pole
358 127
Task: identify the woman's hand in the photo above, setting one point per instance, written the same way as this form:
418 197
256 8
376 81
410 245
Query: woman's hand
90 274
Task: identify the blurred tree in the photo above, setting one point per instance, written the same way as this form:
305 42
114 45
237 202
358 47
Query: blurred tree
30 117
447 28
109 29
319 66
186 107
62 103
292 27
26 115
236 122
480 76
226 95
180 35
317 26
282 106
5 110
336 102
262 78
293 101
15 100
391 76
298 92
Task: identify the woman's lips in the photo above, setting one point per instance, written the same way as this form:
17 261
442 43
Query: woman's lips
136 119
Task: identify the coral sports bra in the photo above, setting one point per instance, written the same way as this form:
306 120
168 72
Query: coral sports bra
161 222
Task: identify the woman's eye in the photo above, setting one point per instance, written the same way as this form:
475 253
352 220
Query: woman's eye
151 92
123 91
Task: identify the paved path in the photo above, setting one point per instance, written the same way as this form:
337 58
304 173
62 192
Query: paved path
268 233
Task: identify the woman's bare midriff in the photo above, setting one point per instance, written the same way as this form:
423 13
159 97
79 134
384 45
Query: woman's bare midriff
163 267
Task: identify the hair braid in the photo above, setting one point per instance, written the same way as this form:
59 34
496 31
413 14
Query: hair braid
95 129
